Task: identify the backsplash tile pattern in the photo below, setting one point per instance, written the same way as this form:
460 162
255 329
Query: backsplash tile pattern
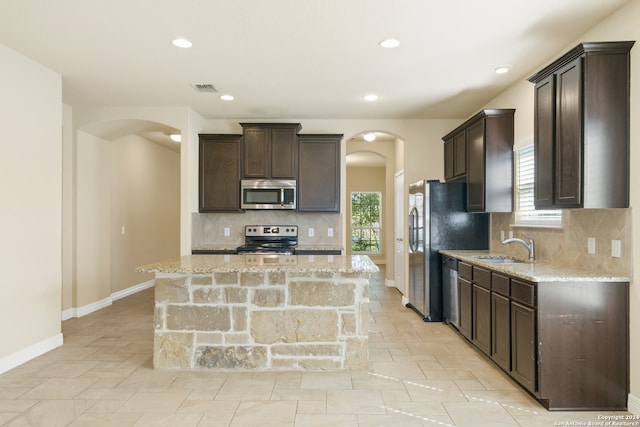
208 228
568 246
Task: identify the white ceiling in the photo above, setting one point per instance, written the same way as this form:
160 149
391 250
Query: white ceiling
295 58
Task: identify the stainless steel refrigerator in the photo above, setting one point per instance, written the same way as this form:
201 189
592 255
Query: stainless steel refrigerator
438 219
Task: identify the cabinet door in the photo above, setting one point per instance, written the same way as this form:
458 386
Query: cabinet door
219 173
319 173
284 153
460 154
482 318
500 331
256 153
475 167
448 160
465 307
568 149
523 345
544 136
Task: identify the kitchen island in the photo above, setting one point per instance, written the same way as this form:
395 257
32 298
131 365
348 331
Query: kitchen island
261 312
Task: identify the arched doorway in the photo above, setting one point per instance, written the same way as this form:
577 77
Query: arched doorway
123 210
371 167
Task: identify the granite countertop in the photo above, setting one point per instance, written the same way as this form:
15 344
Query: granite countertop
229 247
203 264
535 271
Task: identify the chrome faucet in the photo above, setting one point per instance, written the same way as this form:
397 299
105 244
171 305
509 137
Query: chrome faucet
530 246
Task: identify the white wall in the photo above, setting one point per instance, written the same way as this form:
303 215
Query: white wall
31 213
623 25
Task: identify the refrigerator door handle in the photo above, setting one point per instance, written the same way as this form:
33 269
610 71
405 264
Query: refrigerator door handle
413 229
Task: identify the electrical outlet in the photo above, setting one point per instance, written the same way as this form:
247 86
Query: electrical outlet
312 232
123 230
227 232
501 235
511 234
616 248
591 245
330 232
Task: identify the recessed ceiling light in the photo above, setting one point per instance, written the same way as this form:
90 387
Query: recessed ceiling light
389 43
369 137
501 69
176 137
226 97
182 43
371 97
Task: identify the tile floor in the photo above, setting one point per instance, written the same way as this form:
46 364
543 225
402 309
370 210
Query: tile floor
421 374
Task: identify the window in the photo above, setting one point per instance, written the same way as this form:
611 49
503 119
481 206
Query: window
526 213
366 222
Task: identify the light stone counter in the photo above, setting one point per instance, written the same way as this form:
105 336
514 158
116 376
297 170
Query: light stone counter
535 271
262 312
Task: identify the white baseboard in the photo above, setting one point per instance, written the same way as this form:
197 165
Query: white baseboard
106 302
22 356
633 405
132 290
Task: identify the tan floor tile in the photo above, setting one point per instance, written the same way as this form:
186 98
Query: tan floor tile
143 379
106 420
298 394
246 389
355 402
479 414
312 407
154 402
399 370
50 413
326 380
209 406
156 420
265 414
324 420
59 388
391 420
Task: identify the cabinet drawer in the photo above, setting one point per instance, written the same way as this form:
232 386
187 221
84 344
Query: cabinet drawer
500 284
523 292
482 277
464 270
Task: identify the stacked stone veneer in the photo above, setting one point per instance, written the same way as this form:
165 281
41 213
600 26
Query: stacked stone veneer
269 320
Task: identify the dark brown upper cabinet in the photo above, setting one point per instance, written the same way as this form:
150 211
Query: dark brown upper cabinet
319 173
488 141
581 128
219 173
455 157
270 150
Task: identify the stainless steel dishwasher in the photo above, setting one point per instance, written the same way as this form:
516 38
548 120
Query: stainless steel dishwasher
450 290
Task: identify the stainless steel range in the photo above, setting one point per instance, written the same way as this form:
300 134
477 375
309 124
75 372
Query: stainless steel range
269 239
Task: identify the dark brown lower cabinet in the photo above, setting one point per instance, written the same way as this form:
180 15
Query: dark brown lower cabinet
465 316
501 331
565 342
481 318
523 345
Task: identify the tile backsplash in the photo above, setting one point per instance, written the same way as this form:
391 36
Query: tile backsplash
568 246
207 229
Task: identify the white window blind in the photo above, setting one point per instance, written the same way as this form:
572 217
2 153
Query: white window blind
526 213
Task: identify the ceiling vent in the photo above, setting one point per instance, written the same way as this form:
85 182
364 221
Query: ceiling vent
204 87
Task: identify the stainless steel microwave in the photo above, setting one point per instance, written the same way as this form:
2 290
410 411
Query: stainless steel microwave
268 194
